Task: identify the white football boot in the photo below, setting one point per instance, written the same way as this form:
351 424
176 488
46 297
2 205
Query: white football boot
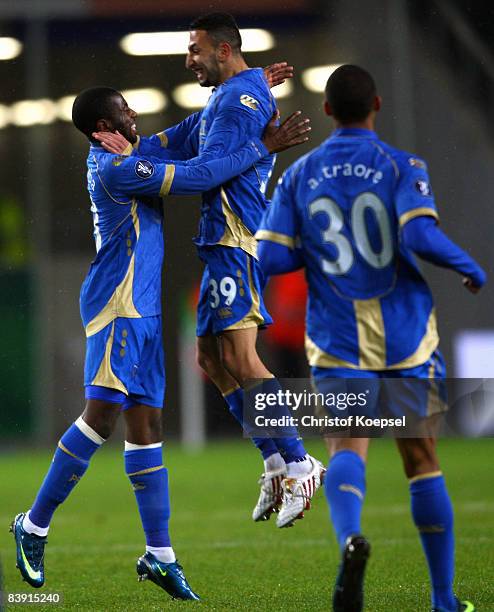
270 496
297 493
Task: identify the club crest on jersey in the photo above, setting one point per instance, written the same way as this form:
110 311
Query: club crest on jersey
417 163
249 101
423 188
144 169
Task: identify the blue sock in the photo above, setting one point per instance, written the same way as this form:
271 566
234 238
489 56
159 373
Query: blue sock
344 485
289 444
235 401
149 478
433 515
70 461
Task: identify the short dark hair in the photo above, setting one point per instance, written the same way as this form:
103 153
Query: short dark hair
350 91
90 105
221 27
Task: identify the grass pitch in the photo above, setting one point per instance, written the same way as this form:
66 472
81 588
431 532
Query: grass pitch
233 563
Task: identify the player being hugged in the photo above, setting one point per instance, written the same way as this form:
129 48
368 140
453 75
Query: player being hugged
354 212
231 306
121 312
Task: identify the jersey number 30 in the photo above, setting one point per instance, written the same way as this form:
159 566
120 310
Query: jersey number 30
332 234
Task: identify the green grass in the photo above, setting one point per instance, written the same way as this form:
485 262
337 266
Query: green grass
236 564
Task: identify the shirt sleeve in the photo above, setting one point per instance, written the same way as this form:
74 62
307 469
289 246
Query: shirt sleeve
179 142
189 178
414 196
280 223
239 116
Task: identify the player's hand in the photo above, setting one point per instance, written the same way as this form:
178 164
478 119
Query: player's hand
276 74
113 142
293 131
469 284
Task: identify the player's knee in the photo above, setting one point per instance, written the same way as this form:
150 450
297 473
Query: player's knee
103 422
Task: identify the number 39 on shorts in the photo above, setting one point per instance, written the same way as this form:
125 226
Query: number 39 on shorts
225 291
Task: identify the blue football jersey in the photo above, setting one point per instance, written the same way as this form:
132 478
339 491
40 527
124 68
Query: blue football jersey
238 110
343 205
124 279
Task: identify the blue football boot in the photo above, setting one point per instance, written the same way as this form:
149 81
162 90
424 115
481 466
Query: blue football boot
348 595
462 606
168 576
30 553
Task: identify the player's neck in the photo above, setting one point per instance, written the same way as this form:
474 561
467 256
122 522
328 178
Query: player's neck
233 67
367 124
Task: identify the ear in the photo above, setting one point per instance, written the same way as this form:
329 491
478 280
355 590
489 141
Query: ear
103 125
327 109
223 52
377 104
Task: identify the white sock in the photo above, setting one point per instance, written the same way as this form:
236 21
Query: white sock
295 469
165 554
30 527
274 462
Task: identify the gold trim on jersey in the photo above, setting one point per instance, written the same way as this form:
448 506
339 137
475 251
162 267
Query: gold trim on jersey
423 211
253 318
105 376
121 303
167 180
236 234
282 239
427 346
371 334
230 391
163 139
319 358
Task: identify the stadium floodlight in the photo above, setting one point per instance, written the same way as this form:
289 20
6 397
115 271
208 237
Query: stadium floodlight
283 91
315 78
33 112
175 43
4 116
9 47
146 101
64 107
191 95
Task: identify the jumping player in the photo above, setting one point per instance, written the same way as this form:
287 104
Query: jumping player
231 307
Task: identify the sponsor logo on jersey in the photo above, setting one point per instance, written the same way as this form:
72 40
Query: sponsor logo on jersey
417 163
423 188
144 169
249 101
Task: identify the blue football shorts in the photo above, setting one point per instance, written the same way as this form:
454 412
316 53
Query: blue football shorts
419 391
125 363
231 291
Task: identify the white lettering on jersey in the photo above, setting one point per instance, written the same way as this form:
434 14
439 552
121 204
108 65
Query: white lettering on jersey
342 170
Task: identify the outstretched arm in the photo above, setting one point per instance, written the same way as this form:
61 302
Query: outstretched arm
423 236
139 176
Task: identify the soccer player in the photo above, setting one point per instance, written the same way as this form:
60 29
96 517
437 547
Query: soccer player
354 212
121 313
231 307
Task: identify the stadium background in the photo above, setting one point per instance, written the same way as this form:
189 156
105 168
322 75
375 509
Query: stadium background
434 65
